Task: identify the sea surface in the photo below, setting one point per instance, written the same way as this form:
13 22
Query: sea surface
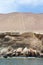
21 61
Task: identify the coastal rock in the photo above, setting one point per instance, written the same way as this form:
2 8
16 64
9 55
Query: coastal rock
25 44
14 53
19 50
25 51
31 52
4 50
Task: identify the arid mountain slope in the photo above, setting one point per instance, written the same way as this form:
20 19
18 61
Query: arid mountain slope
21 22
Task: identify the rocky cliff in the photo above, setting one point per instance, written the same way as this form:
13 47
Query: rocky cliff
16 40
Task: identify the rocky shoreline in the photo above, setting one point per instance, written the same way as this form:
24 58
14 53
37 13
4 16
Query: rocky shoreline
20 52
14 44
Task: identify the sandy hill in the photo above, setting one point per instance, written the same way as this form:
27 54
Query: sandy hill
21 22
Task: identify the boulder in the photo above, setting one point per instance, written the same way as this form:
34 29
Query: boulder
14 53
9 54
7 51
25 51
33 53
41 55
10 51
4 51
18 51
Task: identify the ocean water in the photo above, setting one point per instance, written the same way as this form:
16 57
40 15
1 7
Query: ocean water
21 61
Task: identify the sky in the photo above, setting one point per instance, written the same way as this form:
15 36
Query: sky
8 6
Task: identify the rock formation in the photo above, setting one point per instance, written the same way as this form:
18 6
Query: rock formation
25 44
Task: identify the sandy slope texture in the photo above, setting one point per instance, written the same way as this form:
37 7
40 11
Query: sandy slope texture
21 22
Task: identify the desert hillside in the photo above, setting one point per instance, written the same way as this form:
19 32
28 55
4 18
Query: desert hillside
21 22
